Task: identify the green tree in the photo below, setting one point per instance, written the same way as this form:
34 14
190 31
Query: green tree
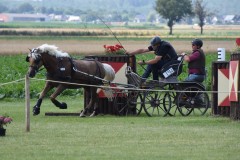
91 16
25 8
41 9
50 10
151 17
3 8
201 13
173 10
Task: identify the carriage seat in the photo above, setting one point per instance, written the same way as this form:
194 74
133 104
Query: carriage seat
171 69
139 82
133 78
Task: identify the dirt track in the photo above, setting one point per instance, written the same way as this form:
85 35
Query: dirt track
96 47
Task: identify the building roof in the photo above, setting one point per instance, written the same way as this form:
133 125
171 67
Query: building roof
25 15
229 17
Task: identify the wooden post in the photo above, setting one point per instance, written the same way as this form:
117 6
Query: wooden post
218 110
27 104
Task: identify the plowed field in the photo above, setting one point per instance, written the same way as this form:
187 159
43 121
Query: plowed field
96 47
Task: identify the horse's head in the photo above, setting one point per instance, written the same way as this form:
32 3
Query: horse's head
35 60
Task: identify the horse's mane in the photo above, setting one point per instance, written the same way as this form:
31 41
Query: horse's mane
52 50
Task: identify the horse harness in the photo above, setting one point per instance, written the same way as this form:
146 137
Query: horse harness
93 78
62 75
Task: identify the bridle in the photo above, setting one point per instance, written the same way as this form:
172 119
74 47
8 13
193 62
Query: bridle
35 68
37 60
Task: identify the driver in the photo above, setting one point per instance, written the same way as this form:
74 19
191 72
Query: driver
164 52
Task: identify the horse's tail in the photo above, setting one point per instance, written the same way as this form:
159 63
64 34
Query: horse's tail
109 76
109 72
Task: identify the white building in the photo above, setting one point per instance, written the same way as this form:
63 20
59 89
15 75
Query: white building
11 17
74 19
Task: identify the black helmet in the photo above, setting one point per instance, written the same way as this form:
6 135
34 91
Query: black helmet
197 42
155 40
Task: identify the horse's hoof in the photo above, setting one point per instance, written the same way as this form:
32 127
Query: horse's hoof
82 114
36 110
93 114
63 105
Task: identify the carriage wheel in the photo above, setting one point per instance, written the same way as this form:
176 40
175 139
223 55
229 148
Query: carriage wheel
156 104
128 103
173 107
192 98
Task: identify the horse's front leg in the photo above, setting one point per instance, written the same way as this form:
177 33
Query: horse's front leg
36 108
58 91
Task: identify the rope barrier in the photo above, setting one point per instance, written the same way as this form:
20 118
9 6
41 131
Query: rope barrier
130 88
16 81
118 86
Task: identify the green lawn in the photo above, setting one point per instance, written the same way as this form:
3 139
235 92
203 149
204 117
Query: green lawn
112 137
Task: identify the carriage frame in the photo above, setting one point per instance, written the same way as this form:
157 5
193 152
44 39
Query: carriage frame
163 97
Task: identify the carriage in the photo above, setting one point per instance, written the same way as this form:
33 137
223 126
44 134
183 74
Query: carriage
164 97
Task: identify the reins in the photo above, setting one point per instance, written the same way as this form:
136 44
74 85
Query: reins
86 74
98 78
104 81
90 75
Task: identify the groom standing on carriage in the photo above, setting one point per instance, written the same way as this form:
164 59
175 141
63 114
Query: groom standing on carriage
164 53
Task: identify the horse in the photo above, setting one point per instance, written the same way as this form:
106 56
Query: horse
61 67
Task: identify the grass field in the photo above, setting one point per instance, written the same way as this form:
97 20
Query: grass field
112 137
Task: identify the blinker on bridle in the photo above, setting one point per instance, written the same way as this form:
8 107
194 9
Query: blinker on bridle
37 60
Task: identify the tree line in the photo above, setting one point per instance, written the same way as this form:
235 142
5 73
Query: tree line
171 10
175 10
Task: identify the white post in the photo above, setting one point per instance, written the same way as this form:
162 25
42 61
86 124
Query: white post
221 54
27 104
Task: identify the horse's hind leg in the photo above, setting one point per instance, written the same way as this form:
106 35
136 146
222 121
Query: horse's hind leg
58 91
92 95
36 108
95 105
88 97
